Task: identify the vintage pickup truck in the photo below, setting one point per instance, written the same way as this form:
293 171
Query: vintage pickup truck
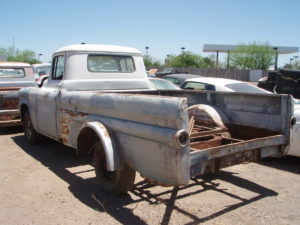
98 101
13 76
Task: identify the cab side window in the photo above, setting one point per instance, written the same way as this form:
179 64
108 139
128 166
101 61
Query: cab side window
58 67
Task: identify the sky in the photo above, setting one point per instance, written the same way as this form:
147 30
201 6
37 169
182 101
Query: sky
162 25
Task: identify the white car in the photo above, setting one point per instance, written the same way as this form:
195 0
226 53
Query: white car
221 84
228 85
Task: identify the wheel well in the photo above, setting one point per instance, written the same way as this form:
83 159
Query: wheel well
23 109
86 141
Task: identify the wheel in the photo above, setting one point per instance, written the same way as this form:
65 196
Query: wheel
32 136
117 182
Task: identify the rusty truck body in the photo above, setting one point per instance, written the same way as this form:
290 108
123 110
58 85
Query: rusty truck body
98 101
13 76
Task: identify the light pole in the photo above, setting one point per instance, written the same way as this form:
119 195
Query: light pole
182 50
291 59
276 57
40 54
147 48
167 60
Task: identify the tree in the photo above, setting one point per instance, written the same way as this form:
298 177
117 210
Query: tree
189 59
259 56
150 61
294 65
26 56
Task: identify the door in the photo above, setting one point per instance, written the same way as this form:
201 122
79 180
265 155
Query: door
47 99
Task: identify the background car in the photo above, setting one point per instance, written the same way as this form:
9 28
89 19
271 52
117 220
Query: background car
166 71
13 76
41 70
221 84
161 84
179 78
282 81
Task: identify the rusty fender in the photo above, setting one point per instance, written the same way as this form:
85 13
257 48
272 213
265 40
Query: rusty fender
167 136
102 133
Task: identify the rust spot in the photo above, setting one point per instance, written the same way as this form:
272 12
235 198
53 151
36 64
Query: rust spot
9 117
74 114
10 88
9 103
67 117
207 142
204 137
247 132
104 130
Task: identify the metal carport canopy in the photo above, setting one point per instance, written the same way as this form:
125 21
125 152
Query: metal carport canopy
228 48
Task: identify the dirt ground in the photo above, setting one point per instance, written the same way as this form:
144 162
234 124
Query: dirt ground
48 184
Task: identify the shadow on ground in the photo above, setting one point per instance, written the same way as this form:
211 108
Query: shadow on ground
58 158
10 130
290 164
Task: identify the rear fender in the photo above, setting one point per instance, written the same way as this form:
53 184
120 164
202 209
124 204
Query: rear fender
110 153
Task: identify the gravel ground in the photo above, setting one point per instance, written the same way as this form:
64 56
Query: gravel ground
48 184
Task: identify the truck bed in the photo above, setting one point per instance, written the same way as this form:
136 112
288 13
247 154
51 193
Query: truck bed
259 127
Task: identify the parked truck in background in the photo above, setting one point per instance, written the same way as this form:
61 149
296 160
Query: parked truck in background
13 76
98 100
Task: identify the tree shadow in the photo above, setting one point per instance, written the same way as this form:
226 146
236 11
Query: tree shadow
59 158
207 183
288 163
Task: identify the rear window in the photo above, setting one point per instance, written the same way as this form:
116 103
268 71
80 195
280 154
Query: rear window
110 63
12 72
198 86
245 87
44 70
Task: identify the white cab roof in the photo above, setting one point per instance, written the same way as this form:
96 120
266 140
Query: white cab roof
98 48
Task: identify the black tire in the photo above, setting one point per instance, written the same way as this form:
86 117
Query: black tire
117 182
32 136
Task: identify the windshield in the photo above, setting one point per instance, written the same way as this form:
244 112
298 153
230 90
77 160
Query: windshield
14 73
163 84
110 63
245 87
173 80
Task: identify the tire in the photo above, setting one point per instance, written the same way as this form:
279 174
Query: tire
32 136
117 182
